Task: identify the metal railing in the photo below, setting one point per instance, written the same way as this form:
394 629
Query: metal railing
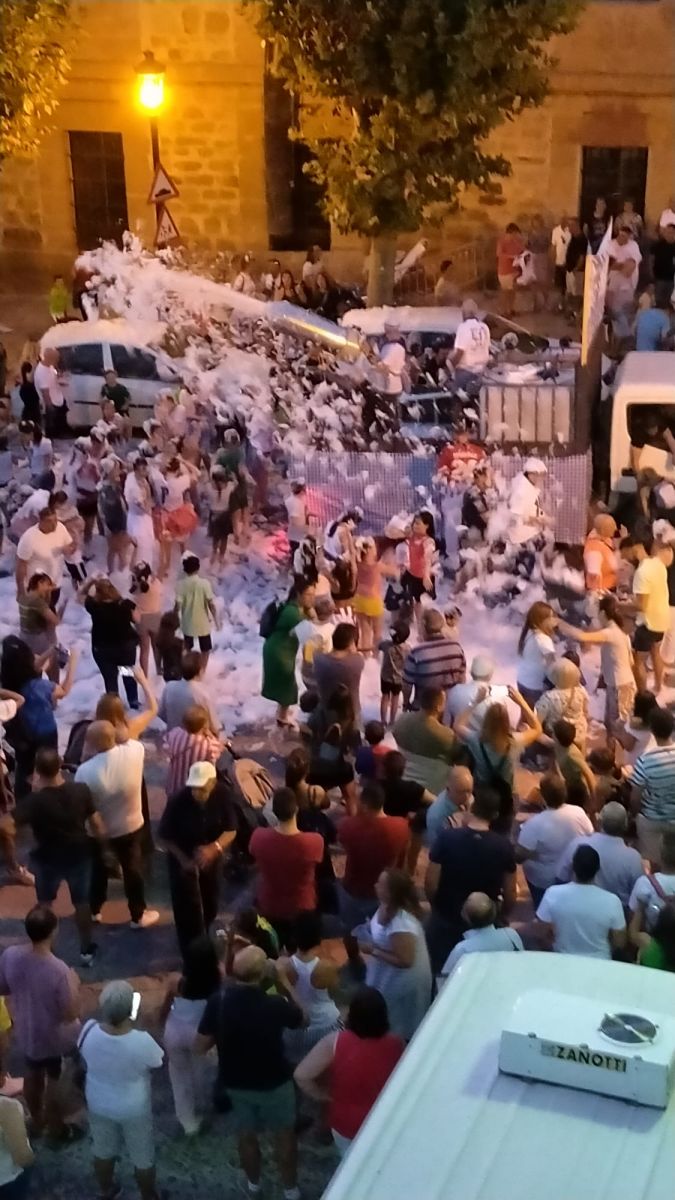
472 265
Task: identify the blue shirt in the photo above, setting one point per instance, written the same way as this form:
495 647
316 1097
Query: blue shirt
437 816
37 714
651 327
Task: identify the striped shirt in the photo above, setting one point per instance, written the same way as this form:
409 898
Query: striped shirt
185 749
438 663
654 774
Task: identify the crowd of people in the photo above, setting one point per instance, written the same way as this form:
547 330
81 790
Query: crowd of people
404 832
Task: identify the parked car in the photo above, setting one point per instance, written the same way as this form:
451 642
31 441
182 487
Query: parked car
87 349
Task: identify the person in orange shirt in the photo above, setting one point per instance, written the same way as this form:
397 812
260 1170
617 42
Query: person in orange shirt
510 246
600 555
458 459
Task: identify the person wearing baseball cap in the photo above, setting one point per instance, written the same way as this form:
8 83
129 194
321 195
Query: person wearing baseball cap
197 826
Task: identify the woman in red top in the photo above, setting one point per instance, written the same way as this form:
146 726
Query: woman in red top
510 246
357 1062
417 559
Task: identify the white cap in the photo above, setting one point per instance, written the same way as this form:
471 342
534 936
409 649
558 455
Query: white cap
535 466
200 774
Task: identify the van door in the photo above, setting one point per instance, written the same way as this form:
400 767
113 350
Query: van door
83 367
139 371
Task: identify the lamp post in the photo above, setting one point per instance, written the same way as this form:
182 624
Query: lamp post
150 92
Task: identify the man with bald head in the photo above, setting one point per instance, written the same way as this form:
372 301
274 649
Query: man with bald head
600 555
479 913
246 1024
114 776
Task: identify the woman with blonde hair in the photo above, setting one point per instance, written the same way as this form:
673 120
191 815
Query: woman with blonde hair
497 748
566 701
395 949
536 650
368 602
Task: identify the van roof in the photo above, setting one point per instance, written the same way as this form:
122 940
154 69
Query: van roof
139 334
408 318
646 377
449 1124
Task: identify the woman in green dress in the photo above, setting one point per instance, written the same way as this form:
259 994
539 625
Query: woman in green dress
281 649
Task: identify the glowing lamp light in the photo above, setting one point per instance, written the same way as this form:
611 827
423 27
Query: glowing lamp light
150 75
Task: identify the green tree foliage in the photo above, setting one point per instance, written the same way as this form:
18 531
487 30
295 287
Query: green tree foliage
403 93
33 67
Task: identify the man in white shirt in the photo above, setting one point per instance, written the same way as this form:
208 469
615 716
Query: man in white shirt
472 347
479 912
114 776
391 368
624 262
561 236
50 391
544 836
464 695
651 597
43 548
620 865
579 917
527 517
668 215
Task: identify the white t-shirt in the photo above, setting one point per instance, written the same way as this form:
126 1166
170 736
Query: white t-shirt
33 505
392 355
547 834
40 456
46 379
560 240
314 638
524 507
644 895
115 779
617 282
473 339
534 660
651 580
176 487
582 916
616 656
118 1072
296 508
44 551
667 218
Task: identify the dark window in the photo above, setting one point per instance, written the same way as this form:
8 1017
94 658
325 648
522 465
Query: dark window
294 216
131 363
86 359
616 172
647 424
99 188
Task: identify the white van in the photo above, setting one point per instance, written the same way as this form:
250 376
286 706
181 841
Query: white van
644 401
450 1126
87 349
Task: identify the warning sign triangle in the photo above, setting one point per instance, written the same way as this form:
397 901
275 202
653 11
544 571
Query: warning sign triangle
167 230
163 187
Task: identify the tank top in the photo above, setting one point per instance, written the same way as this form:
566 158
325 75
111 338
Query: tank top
317 1003
368 577
416 548
361 1067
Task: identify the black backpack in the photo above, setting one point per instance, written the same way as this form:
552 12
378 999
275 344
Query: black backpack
502 787
269 618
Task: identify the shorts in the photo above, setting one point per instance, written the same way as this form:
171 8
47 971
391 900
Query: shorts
649 837
390 689
644 639
619 703
368 606
414 589
134 1134
87 505
149 622
263 1111
507 282
220 526
205 643
51 1066
49 876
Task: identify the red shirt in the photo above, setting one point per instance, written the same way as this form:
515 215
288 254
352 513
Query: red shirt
464 455
509 247
371 844
360 1069
286 866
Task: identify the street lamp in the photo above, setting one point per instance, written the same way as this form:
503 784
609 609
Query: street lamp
150 85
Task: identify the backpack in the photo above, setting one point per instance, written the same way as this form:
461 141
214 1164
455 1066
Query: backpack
269 618
251 788
503 789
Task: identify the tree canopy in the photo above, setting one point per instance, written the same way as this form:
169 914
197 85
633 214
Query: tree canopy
398 96
33 67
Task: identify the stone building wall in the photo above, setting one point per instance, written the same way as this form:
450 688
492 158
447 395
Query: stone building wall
614 86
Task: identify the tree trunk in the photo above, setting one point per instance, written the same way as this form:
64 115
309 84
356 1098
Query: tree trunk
381 271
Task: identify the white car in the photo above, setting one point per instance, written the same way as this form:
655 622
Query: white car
87 349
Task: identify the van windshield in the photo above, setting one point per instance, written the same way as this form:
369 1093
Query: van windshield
651 425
